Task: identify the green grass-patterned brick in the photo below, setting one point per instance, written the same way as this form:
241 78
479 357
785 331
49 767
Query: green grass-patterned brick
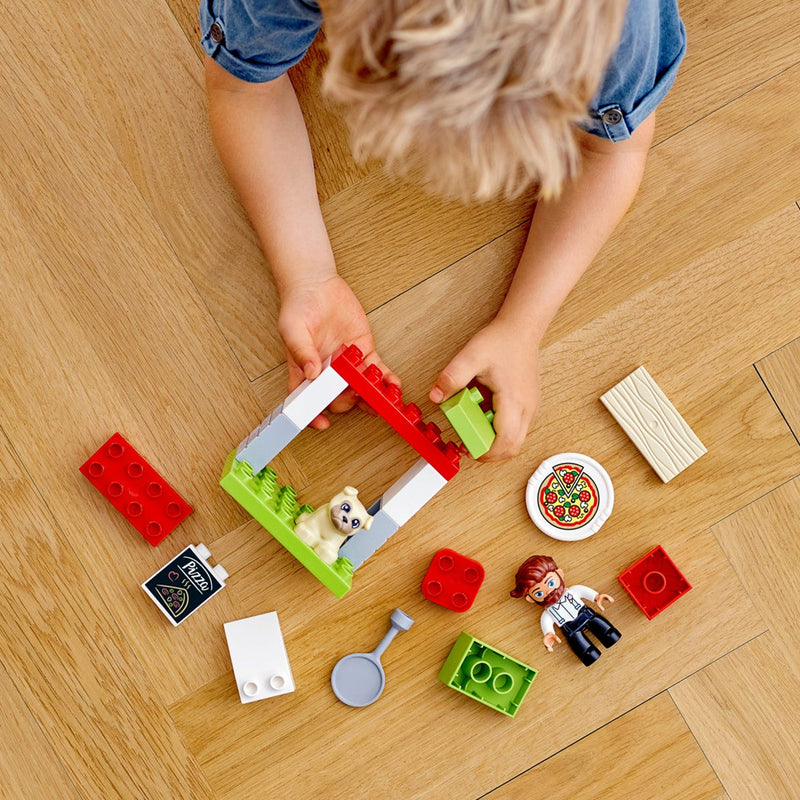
276 508
486 674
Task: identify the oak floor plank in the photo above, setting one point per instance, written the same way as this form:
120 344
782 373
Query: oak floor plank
762 539
780 371
134 297
73 667
648 752
732 47
29 766
137 79
742 710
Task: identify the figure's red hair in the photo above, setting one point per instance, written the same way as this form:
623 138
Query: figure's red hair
533 571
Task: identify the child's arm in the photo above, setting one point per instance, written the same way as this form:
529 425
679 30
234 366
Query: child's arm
564 237
262 140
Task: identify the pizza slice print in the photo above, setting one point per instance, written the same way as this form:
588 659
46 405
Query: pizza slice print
174 598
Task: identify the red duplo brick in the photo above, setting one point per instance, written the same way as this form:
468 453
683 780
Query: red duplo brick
654 582
452 580
386 400
135 489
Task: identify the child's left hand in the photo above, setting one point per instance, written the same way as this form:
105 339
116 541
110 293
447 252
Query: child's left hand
506 361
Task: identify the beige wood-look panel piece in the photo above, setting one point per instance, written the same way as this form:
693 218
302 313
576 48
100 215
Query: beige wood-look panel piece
102 331
422 739
654 425
762 541
29 767
648 752
73 667
732 47
780 371
742 710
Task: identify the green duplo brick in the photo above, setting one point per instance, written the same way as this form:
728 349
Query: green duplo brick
276 508
470 422
486 674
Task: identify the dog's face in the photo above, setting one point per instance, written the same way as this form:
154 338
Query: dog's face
348 515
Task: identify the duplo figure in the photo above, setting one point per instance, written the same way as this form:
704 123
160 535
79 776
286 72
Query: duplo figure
539 580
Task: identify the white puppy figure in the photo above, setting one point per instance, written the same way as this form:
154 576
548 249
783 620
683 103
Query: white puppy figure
326 529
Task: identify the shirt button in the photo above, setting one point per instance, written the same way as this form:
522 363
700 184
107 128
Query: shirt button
215 32
612 117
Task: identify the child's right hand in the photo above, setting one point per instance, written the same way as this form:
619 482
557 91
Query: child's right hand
316 317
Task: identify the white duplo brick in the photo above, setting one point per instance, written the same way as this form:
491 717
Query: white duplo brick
409 494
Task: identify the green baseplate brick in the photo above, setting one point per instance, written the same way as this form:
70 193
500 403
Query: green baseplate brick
276 508
486 674
469 421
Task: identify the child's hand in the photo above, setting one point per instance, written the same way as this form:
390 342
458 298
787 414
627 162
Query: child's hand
315 318
505 360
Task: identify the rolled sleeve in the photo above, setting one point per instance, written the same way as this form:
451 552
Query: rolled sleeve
641 71
258 40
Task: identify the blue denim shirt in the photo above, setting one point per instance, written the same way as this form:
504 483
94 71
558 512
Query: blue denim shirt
258 40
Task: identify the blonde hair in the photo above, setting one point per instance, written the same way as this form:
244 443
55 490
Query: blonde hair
481 95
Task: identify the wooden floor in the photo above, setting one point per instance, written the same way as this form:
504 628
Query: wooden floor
133 298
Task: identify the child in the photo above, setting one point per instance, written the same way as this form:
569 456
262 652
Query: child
486 97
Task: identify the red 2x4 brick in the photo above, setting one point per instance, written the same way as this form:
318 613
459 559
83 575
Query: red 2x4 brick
135 489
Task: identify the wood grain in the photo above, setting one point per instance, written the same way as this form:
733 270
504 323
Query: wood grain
743 712
780 371
422 722
102 323
757 539
648 752
30 768
133 296
732 47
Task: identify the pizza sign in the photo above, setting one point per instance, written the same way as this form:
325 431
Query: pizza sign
569 497
183 585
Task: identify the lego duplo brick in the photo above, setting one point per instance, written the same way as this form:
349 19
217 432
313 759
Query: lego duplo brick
266 441
312 397
386 400
135 489
654 582
452 580
258 656
486 674
180 587
653 424
470 421
357 549
412 491
276 508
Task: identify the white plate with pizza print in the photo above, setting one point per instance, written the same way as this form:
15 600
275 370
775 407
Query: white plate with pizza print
569 497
